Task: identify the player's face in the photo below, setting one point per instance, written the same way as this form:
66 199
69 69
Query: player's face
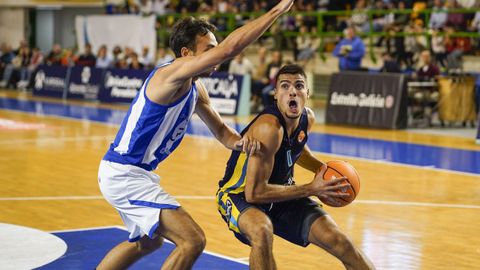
205 43
291 92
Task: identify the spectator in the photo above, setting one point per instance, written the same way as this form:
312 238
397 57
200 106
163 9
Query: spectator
117 55
307 45
350 51
87 58
145 7
272 68
259 79
35 60
146 59
438 19
160 7
135 62
428 70
389 64
21 62
6 66
438 48
68 58
241 65
55 55
163 56
103 60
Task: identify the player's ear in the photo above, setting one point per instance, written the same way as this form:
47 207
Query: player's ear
308 92
184 51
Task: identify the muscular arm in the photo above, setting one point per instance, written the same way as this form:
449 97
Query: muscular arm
257 189
225 134
177 75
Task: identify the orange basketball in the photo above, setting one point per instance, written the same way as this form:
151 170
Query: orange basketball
339 168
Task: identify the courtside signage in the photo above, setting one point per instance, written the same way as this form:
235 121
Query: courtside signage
50 81
371 100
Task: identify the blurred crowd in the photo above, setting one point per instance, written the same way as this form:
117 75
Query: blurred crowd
17 65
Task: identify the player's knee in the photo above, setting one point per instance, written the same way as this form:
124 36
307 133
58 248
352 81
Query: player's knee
147 245
342 245
194 245
261 234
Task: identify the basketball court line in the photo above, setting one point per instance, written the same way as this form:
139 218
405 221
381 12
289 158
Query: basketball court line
186 197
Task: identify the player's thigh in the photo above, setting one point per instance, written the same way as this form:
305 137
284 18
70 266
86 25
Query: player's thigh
178 226
255 224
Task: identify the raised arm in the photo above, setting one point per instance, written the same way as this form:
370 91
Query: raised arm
190 66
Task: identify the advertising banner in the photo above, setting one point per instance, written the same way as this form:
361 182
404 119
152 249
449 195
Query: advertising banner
224 90
50 81
370 100
122 85
84 82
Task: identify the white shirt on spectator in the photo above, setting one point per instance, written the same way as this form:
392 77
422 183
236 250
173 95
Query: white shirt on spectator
103 62
438 18
241 68
160 6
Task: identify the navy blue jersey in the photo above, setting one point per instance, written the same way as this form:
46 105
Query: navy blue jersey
285 158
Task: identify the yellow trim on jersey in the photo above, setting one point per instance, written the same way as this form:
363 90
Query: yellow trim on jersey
236 183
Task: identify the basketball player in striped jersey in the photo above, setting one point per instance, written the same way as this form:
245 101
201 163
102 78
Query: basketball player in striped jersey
153 128
257 197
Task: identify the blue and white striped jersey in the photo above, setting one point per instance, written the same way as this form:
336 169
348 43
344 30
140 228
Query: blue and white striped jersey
150 131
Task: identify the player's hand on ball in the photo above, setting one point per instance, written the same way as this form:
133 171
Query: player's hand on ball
333 188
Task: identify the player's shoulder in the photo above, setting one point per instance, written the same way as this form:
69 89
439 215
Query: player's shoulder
310 115
267 125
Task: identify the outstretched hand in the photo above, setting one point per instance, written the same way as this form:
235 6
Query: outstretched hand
248 145
285 5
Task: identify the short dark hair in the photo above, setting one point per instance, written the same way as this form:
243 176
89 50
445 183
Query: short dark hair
291 69
185 32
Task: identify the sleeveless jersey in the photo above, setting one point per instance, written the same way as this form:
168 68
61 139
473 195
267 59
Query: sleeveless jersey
286 156
150 131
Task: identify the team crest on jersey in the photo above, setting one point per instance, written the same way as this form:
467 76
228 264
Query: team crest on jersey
301 136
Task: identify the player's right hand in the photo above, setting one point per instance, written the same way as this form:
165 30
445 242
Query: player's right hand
285 5
331 188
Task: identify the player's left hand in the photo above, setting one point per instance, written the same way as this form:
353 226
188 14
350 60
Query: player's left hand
248 145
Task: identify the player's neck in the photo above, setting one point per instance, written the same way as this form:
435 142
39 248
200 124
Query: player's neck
291 124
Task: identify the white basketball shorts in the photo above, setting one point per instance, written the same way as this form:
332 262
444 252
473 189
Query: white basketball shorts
137 196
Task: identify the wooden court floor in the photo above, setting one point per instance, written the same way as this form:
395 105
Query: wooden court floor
405 217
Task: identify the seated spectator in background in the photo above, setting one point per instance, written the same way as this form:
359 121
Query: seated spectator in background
21 62
438 19
259 79
240 65
146 59
350 51
428 70
438 48
68 58
389 64
117 55
307 46
455 20
35 60
87 58
135 62
55 55
103 60
6 66
163 56
272 69
359 19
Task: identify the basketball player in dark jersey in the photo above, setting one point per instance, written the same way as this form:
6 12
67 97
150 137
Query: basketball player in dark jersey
257 196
